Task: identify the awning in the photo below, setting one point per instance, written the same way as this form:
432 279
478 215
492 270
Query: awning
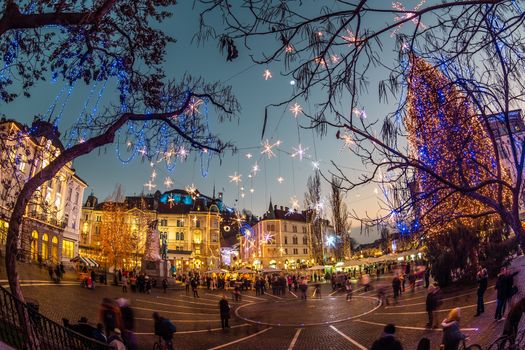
85 260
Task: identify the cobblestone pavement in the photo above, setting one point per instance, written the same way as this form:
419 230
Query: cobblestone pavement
278 322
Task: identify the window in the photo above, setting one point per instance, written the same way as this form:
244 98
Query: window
177 236
164 222
68 249
69 193
305 240
77 197
295 240
286 251
270 227
99 218
294 228
197 223
197 250
97 230
295 251
180 223
304 229
215 223
305 250
285 240
214 237
86 217
285 227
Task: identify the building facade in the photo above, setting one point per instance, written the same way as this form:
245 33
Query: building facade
281 239
50 227
188 225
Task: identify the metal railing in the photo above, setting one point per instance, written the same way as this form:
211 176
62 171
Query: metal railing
16 318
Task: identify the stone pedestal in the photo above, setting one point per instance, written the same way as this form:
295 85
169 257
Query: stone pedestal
158 269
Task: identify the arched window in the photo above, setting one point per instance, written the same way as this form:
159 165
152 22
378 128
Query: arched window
54 249
177 236
45 247
295 240
182 236
34 246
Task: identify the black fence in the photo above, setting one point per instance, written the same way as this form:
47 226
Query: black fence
18 320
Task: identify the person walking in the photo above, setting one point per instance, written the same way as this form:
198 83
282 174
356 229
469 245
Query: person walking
303 287
194 285
396 286
387 341
349 289
482 278
224 309
124 284
511 289
513 319
165 285
427 277
452 335
187 284
431 304
501 295
164 328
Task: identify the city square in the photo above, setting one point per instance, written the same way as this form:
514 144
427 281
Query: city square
264 174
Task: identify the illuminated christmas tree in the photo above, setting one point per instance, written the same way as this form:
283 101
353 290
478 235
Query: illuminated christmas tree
453 149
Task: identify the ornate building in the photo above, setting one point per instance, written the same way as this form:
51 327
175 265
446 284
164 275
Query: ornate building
189 226
281 239
50 228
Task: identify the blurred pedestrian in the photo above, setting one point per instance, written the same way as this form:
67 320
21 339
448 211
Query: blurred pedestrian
482 278
396 286
513 319
387 341
115 340
501 295
224 309
431 304
124 284
424 344
452 335
109 315
349 289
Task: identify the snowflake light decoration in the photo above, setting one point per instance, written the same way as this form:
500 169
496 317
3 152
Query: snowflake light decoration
191 189
268 148
193 106
299 152
267 74
361 113
280 179
404 14
168 182
255 169
183 153
150 185
235 178
348 141
267 238
296 109
350 38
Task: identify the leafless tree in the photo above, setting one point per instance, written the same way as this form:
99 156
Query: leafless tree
314 215
76 41
340 218
333 49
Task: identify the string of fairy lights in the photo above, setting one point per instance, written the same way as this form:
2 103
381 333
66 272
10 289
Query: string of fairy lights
164 155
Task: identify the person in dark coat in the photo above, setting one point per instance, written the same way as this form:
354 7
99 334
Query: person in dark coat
387 341
510 288
452 335
431 304
396 286
513 319
482 277
427 277
501 295
224 309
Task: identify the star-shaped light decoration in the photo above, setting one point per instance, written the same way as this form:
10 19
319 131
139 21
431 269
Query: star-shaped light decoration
183 153
143 151
348 141
248 156
168 182
171 200
252 190
153 174
267 238
289 48
404 14
193 106
268 148
235 178
296 109
294 205
150 185
361 113
350 38
280 179
255 169
315 164
267 74
299 152
335 58
192 189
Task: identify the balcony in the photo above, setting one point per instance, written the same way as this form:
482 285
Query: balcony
48 219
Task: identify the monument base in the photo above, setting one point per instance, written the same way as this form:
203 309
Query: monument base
157 269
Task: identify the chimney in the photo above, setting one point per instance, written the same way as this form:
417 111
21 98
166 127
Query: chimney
282 207
275 207
286 208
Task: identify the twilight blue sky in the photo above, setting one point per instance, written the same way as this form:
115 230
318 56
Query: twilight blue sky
102 170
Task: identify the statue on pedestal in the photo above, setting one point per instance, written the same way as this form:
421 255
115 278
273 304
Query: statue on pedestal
152 249
152 263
